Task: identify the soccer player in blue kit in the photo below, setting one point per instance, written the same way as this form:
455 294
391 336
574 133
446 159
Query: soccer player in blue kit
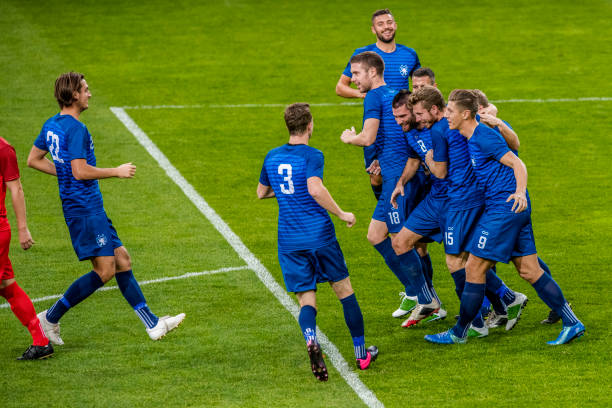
400 61
93 236
308 251
504 231
449 159
379 127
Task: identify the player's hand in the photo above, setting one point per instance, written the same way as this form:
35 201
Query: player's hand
349 218
374 168
25 238
126 170
489 120
520 202
399 190
348 135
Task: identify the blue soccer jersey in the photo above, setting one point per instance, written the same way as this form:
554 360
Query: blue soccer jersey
66 139
302 223
393 150
420 142
487 147
451 147
399 64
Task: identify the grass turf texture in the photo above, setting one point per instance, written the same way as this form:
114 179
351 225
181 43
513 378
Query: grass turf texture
238 346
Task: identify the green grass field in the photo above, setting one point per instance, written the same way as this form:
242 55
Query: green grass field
238 345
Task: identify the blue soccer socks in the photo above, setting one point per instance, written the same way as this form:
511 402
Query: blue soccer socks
354 321
385 249
308 323
459 278
411 266
131 292
471 300
76 293
551 294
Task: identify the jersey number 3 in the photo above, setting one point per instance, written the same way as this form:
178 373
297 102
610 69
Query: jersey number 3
287 172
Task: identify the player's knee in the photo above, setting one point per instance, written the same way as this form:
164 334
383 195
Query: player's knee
530 273
106 274
375 237
400 246
421 249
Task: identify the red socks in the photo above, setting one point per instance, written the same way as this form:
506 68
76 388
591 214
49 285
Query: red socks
22 307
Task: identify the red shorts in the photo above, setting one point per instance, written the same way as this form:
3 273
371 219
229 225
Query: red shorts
6 269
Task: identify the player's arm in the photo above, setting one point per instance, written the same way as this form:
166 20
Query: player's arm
18 199
367 135
437 168
83 171
38 161
520 174
506 131
264 191
344 89
410 169
320 194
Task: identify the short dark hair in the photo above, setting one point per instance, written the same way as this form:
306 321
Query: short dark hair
370 59
297 118
65 86
401 98
424 72
465 99
482 98
428 96
381 12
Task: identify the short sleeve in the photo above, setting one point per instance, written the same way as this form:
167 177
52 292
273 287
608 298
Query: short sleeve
41 141
314 165
439 145
8 164
417 63
263 176
492 144
372 106
347 70
78 142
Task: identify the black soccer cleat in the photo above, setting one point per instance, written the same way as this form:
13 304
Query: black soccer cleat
553 317
37 352
317 364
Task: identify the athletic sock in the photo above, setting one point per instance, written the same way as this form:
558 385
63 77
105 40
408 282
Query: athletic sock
385 249
428 273
551 294
411 265
377 190
459 278
76 293
544 266
22 307
308 323
495 286
478 321
471 299
354 322
131 292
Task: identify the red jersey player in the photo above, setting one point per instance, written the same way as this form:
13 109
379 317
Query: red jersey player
21 305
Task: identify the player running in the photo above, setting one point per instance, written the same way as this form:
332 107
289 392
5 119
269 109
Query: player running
91 231
379 127
308 251
504 231
20 303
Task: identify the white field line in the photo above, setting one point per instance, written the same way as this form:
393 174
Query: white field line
282 105
352 379
147 282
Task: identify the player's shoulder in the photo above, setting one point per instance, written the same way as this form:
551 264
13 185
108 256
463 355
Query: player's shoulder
440 126
369 47
405 49
4 143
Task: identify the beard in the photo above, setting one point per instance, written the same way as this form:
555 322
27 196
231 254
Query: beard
387 41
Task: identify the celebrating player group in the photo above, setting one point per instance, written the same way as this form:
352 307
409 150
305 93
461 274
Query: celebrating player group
440 172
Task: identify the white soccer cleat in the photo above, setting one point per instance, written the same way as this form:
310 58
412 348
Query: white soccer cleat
52 330
408 303
164 325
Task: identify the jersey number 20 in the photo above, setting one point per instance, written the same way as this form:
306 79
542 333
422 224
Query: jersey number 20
287 171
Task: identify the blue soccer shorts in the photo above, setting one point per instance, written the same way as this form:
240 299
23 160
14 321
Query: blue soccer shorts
92 236
501 236
460 225
302 270
428 218
414 192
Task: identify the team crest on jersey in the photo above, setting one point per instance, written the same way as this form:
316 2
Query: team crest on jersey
403 69
101 240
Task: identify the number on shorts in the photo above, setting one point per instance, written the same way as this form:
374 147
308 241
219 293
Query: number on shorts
482 241
448 236
288 189
395 218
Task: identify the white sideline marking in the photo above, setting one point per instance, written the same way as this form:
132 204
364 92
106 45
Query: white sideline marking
147 282
282 105
352 379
